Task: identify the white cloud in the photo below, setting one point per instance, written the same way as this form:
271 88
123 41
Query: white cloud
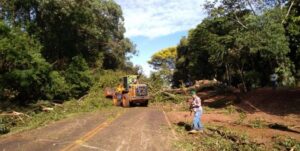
155 18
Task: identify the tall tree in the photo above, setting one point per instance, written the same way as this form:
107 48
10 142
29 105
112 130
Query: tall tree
91 28
293 33
239 42
164 62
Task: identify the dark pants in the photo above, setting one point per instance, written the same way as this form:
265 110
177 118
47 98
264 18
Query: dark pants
274 85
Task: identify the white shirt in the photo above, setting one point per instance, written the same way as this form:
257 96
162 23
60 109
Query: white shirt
273 77
196 102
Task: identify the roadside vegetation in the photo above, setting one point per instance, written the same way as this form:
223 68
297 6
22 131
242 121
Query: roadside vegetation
239 43
228 59
216 138
221 138
44 111
55 56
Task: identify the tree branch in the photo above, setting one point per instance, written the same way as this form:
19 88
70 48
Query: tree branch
288 13
238 20
251 7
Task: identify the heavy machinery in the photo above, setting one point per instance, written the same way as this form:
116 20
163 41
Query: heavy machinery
129 91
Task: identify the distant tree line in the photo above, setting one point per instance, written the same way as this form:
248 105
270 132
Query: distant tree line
49 48
243 42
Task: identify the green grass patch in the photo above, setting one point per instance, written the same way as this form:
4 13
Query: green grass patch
241 119
287 144
215 138
230 109
258 123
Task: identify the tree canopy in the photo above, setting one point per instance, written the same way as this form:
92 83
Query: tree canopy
49 47
242 42
164 62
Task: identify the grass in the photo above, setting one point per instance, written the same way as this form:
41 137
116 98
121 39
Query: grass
215 138
221 103
288 143
241 119
230 109
258 123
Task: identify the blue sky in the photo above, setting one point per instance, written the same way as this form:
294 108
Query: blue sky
148 46
156 24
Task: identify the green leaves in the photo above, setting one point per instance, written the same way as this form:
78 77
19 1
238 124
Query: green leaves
48 48
78 76
240 42
23 68
164 58
164 62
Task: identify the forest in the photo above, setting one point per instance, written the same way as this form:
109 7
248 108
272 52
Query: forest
51 49
63 62
240 42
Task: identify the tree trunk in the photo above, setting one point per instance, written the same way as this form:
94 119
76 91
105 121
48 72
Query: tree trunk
240 70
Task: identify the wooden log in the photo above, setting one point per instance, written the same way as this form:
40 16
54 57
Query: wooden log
199 86
47 109
14 113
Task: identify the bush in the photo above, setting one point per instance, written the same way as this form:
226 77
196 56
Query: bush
57 87
24 71
78 76
3 127
110 78
252 79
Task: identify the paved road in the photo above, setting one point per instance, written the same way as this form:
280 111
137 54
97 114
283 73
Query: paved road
133 129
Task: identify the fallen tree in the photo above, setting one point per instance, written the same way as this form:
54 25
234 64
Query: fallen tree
198 86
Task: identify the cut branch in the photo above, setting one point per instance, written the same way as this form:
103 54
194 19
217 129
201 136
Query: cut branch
288 13
14 113
47 109
238 20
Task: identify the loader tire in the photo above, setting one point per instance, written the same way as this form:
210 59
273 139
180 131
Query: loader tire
145 103
116 102
125 100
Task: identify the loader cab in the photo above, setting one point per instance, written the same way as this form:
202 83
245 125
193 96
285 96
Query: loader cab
129 81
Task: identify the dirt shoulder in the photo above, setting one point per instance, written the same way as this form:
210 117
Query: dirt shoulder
269 119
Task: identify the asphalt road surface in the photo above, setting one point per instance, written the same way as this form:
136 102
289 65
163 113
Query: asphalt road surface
132 129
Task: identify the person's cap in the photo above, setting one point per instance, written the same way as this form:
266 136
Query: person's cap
193 92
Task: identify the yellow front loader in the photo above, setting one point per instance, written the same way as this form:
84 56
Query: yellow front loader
129 92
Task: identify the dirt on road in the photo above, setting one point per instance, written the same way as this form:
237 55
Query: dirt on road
131 129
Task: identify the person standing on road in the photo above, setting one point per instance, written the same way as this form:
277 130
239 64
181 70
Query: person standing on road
197 109
273 79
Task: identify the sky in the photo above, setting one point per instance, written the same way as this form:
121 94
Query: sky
156 24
